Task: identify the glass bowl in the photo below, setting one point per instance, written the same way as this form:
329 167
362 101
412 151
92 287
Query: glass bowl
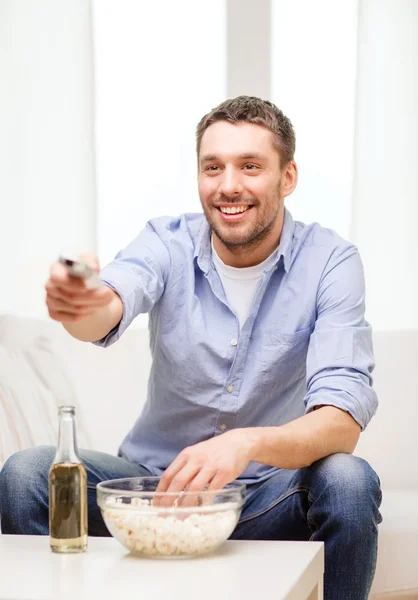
168 524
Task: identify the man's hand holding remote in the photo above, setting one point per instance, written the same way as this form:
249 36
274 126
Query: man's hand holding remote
87 314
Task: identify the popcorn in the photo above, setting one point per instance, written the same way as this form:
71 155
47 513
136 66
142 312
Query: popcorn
158 531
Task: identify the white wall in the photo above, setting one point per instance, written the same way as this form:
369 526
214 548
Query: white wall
248 48
385 207
47 201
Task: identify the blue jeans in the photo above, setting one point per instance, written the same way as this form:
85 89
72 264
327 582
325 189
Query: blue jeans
336 500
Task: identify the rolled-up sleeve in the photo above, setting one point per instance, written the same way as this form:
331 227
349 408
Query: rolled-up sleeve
138 274
340 355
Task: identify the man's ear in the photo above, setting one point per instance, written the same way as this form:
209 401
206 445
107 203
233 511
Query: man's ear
289 178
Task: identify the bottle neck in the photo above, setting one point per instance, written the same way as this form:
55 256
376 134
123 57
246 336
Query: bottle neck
67 451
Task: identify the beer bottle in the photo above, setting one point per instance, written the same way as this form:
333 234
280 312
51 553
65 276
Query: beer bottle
67 490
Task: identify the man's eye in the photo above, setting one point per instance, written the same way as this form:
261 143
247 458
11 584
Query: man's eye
212 168
251 167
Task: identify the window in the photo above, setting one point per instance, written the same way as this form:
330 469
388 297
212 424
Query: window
314 54
159 67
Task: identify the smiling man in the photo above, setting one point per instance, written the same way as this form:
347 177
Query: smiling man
262 357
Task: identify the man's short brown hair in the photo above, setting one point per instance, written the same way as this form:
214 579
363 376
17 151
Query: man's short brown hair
253 110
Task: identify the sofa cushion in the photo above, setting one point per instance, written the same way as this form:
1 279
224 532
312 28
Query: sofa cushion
398 542
389 441
33 383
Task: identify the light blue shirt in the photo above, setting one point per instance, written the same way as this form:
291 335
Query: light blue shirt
305 343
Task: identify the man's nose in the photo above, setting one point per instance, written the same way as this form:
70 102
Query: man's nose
230 183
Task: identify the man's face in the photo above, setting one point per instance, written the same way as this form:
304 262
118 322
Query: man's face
239 182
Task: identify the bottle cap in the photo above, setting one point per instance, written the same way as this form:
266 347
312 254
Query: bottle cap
66 410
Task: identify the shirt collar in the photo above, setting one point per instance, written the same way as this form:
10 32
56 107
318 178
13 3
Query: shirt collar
203 249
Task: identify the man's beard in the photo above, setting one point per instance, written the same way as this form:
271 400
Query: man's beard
253 238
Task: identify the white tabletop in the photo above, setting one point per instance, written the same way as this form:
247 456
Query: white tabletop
238 570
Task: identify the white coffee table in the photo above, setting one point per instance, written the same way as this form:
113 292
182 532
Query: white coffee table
239 570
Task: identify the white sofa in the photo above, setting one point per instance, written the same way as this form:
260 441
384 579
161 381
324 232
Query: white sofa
41 366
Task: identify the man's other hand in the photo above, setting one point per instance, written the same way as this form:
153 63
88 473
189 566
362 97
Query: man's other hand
210 465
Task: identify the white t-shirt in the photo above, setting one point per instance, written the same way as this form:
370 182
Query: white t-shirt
241 284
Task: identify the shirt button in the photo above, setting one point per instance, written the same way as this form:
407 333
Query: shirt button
230 388
234 342
276 267
223 427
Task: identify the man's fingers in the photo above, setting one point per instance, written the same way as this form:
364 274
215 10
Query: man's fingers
166 480
58 271
183 477
59 306
58 293
201 480
96 297
88 298
64 317
179 483
59 278
58 275
219 481
170 472
197 484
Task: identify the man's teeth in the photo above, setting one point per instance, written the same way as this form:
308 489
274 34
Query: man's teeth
232 210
